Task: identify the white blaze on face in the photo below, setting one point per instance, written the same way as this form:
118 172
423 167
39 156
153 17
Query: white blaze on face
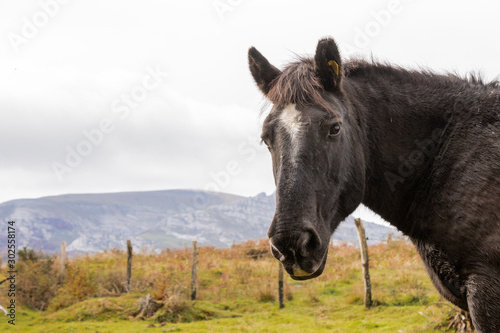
290 121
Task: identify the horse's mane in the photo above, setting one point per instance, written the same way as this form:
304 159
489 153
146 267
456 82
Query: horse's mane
299 83
360 67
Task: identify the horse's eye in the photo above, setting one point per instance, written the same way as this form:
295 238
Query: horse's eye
263 141
334 131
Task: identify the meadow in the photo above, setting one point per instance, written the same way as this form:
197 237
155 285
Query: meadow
237 292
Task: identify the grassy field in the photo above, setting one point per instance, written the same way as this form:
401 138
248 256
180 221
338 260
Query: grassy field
237 292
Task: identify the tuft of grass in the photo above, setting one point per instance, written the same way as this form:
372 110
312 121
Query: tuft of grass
355 300
313 298
266 294
190 311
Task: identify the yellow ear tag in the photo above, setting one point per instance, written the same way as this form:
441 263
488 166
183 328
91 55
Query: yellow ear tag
333 64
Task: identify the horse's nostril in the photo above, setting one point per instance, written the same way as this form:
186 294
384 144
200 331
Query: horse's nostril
308 243
303 244
276 253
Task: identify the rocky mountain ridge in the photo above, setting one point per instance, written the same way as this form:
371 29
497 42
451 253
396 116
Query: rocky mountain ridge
161 219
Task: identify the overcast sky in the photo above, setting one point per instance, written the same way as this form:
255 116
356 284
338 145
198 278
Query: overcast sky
108 96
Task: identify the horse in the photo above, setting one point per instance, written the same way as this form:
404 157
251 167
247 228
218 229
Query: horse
419 148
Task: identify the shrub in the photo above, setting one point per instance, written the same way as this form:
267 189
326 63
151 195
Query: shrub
111 283
79 284
37 279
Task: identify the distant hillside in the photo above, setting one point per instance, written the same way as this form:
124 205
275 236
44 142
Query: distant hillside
163 219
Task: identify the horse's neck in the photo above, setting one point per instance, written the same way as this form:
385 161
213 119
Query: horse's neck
404 124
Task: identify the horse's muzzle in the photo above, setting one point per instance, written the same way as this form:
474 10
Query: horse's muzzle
302 253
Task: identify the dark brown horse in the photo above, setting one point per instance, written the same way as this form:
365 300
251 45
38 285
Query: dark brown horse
418 148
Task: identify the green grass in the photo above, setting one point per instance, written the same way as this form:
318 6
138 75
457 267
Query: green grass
327 317
239 294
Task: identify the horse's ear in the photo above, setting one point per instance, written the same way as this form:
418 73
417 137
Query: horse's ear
262 71
328 65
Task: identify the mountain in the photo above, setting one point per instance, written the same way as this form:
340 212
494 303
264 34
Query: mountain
163 219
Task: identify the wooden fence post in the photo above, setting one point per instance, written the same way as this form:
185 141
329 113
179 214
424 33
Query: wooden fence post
280 286
364 262
63 258
129 264
194 271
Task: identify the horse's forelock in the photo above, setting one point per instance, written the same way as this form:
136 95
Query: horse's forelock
298 84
